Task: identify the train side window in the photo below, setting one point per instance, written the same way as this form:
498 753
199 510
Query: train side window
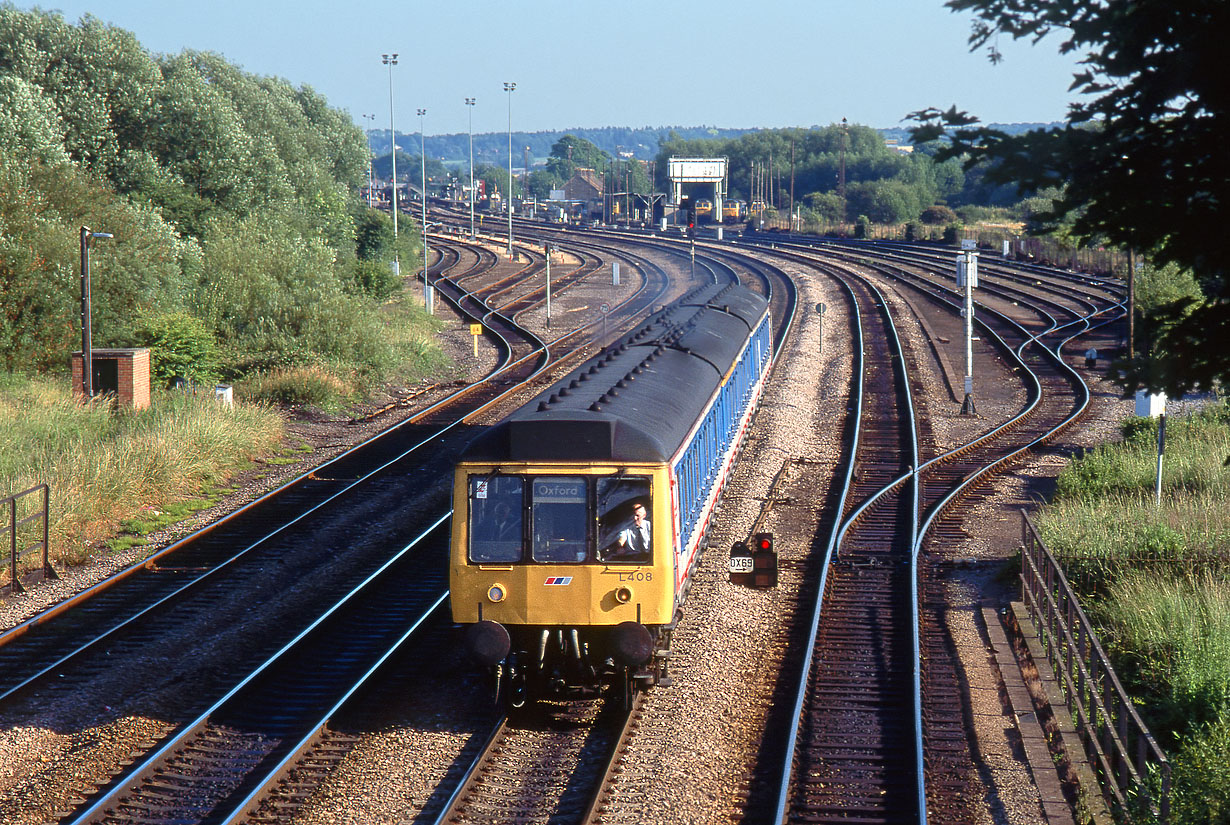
624 534
497 507
560 519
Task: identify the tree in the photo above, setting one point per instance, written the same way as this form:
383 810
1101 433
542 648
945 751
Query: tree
883 201
938 215
496 178
1140 161
571 152
233 199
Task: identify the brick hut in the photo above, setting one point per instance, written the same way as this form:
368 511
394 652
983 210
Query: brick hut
123 372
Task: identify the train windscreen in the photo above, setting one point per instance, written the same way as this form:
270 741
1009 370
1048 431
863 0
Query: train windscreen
560 516
496 518
624 533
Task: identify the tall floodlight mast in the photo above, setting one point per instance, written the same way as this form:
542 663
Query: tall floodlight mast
390 60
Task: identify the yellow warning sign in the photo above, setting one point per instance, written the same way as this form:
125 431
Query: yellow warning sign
476 329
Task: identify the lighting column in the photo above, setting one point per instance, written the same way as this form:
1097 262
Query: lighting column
428 296
841 178
390 60
510 88
87 352
470 106
371 180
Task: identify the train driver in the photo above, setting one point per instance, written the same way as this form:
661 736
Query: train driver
634 540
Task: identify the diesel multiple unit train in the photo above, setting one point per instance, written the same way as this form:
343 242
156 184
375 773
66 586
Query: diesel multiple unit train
578 520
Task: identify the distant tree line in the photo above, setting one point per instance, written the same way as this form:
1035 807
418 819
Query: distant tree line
788 167
233 200
883 185
491 148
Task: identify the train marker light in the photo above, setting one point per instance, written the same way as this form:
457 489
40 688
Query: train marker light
496 593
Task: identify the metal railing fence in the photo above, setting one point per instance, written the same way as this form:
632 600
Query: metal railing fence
15 526
1134 771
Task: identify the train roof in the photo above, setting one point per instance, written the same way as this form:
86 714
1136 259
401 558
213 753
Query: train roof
637 400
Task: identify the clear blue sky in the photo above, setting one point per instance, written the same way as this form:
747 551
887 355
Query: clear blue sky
632 63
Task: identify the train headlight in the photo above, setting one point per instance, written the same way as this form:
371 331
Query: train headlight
623 595
496 593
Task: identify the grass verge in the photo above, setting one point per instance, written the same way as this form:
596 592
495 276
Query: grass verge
111 469
1156 581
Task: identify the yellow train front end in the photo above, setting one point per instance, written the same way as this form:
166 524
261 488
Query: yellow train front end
563 574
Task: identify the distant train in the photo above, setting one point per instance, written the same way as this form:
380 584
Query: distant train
579 519
704 209
733 211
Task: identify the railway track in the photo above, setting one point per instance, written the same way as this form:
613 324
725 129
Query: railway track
853 751
273 526
552 763
218 767
858 736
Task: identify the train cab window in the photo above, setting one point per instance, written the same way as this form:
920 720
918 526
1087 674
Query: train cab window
624 533
560 519
496 518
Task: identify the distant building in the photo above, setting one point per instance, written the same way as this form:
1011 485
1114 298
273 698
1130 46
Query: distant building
585 186
898 147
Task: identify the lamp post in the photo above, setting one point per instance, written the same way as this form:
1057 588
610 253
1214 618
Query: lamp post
390 60
470 106
510 88
87 355
841 179
370 174
428 297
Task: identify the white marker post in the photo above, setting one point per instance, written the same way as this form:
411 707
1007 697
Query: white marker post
549 249
967 279
1153 405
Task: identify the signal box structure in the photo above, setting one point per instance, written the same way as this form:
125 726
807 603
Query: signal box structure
698 170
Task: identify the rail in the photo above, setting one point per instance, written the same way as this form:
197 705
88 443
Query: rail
1132 767
15 526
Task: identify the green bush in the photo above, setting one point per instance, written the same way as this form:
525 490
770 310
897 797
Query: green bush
1200 775
938 215
180 347
375 279
273 294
